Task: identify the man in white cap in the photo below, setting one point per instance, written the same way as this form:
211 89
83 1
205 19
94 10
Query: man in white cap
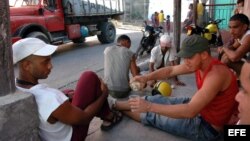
60 118
162 55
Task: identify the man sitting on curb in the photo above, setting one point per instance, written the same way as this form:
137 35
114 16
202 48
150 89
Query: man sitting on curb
60 119
199 118
118 61
233 55
163 55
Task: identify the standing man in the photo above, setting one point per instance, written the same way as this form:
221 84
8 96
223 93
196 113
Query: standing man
118 60
233 55
200 118
161 20
60 119
163 55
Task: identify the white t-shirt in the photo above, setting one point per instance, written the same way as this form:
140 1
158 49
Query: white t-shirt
156 56
49 99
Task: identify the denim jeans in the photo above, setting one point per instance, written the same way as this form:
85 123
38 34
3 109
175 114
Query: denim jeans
196 128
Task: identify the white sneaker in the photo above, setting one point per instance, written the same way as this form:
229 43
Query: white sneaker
112 102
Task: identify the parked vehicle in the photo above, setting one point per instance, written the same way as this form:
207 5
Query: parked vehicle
149 38
210 32
55 21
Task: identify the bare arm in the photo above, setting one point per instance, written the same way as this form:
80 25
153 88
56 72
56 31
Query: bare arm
70 114
214 82
163 73
241 50
151 66
133 67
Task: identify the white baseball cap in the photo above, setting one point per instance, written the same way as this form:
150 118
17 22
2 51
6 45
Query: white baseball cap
31 46
166 40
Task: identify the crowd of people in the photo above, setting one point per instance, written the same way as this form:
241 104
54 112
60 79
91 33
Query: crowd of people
66 115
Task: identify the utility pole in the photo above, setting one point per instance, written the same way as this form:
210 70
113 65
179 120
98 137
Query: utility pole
7 84
177 25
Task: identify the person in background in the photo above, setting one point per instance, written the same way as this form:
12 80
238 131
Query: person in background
118 61
153 19
239 7
239 49
200 13
156 20
60 119
190 17
168 24
161 20
163 55
200 118
243 97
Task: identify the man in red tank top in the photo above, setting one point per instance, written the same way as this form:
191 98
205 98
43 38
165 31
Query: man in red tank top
201 117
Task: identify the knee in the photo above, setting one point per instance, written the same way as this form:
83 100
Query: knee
89 75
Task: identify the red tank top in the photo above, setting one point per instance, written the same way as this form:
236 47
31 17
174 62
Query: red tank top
220 109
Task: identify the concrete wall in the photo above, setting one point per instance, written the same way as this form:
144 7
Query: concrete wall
18 118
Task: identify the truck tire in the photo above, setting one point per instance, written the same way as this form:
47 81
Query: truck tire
108 32
39 35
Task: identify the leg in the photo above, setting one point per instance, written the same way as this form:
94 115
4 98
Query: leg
192 128
87 91
125 108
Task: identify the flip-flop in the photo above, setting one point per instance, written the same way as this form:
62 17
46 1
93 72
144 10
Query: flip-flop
117 117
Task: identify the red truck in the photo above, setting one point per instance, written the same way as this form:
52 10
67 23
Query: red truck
55 21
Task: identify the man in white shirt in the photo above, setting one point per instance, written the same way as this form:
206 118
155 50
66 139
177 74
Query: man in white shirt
163 55
60 119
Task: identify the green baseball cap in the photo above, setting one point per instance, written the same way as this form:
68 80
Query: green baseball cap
193 44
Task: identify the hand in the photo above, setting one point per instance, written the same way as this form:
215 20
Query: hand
104 87
139 78
69 93
139 105
151 83
220 50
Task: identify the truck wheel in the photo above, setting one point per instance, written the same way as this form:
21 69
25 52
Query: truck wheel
108 32
39 35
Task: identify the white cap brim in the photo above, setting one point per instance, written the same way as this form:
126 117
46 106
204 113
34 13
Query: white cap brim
46 51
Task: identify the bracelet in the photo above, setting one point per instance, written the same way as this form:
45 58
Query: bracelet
149 105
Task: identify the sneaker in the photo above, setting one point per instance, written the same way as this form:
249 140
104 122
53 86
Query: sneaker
111 102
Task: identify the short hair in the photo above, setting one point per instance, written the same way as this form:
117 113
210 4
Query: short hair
123 37
240 17
240 1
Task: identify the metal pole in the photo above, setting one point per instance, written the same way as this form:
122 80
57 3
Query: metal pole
177 25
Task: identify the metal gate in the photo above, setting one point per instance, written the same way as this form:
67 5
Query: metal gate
221 9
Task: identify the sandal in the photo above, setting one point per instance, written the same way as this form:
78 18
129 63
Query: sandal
117 117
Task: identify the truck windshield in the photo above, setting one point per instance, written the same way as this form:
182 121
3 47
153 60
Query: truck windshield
20 3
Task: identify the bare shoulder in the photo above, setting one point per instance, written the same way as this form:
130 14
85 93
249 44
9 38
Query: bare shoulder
220 75
220 71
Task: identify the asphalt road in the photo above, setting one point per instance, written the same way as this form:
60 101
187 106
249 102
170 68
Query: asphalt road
71 60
